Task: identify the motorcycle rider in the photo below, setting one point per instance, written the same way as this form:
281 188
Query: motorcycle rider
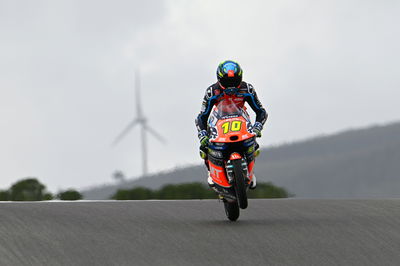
229 75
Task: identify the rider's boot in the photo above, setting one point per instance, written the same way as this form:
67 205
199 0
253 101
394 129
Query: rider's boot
210 181
253 183
203 155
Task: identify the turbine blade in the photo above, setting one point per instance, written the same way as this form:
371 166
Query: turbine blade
155 134
138 99
125 131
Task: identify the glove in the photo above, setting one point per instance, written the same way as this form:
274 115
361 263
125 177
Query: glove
257 129
203 136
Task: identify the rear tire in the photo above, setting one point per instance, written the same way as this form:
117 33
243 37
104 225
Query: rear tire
232 210
240 186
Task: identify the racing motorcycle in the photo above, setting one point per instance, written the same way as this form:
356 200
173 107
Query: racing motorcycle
231 154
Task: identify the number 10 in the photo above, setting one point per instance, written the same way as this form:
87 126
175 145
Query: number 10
233 126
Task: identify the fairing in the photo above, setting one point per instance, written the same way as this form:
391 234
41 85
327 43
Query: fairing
229 123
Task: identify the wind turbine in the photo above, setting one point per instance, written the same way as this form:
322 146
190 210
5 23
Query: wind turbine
140 120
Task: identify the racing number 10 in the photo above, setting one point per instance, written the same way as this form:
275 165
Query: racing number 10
231 126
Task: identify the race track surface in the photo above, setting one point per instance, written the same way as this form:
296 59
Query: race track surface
269 232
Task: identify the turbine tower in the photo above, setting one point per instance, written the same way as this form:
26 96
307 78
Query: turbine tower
140 120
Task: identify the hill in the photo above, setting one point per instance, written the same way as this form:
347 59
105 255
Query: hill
359 163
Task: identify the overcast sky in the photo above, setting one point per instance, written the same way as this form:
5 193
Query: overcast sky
66 76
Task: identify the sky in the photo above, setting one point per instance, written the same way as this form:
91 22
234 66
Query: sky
67 77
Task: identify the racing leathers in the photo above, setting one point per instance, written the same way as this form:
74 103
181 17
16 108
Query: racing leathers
246 93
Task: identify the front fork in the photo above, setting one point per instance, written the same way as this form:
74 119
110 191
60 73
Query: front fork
230 174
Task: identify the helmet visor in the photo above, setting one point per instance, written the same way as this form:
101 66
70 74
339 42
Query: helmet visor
227 82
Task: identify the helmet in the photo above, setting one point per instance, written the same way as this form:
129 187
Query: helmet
229 74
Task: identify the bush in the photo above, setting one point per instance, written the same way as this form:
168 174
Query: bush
70 194
48 196
267 190
194 191
138 193
180 191
186 191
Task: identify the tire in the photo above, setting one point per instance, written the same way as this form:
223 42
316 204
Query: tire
232 210
240 186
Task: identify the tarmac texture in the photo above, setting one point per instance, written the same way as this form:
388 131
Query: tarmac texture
269 232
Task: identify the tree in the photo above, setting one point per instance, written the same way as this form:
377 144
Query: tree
4 195
70 194
29 189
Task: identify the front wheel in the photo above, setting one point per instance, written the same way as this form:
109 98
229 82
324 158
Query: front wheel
240 186
232 210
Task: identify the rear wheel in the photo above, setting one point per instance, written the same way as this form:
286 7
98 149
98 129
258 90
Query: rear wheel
240 186
232 210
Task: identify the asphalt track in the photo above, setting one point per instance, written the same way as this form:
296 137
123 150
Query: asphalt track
269 232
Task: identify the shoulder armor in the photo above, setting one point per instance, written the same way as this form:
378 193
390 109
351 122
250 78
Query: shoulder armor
250 88
209 92
246 88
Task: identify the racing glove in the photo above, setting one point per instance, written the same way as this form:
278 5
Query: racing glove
257 129
203 137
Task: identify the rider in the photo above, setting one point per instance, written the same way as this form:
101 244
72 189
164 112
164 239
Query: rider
229 75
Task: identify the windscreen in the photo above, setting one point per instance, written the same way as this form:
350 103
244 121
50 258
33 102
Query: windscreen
227 107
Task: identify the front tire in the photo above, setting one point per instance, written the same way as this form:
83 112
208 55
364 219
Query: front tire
232 210
240 186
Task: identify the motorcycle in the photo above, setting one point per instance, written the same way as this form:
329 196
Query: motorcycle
231 154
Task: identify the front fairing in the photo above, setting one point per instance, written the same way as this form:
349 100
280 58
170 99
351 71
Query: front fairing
229 123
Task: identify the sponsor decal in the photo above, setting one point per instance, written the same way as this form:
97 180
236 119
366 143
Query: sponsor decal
214 153
230 116
235 156
216 173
